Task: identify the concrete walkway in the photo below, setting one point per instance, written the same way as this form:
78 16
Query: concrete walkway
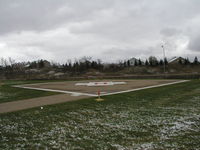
36 102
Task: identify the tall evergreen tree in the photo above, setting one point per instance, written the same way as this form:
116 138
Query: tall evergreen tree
180 61
187 62
196 61
161 62
128 63
146 63
139 62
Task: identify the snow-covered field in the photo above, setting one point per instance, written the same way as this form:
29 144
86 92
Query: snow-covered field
129 128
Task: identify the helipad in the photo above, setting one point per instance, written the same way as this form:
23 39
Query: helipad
105 87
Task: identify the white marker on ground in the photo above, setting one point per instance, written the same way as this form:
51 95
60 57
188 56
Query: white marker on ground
99 83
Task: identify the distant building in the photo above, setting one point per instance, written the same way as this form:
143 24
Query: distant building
133 61
176 60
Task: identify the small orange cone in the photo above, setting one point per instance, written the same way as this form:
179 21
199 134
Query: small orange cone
99 99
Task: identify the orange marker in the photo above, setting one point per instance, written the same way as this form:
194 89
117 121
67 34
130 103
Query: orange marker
99 93
99 99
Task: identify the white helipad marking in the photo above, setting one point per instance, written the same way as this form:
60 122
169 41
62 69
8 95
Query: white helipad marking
52 90
95 95
100 83
103 92
75 94
147 87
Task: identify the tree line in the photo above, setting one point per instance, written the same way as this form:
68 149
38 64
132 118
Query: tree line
84 64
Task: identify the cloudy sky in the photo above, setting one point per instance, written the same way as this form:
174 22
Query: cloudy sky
107 29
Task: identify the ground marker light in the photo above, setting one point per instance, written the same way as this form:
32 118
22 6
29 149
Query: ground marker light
99 99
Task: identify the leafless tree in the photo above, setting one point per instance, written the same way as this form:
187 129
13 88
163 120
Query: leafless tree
4 62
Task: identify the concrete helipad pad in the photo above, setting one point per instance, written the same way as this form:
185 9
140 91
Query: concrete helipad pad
106 87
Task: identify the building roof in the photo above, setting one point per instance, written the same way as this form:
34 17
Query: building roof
175 59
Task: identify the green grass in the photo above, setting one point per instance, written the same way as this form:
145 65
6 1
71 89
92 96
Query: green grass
159 118
9 93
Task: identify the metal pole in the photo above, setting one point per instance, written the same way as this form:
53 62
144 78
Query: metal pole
164 57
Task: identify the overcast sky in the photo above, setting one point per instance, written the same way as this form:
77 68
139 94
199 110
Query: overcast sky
107 29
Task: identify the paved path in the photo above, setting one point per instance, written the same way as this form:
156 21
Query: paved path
36 102
53 90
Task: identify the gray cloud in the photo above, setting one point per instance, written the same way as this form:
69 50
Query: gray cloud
168 32
42 15
195 43
117 29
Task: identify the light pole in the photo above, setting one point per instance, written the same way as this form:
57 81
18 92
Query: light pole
163 57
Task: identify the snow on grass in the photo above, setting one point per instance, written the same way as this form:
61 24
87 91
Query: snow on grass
5 95
90 125
113 126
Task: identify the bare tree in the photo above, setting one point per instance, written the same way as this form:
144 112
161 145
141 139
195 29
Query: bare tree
4 62
11 61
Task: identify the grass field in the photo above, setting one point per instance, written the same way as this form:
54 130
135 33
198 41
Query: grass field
159 118
9 93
